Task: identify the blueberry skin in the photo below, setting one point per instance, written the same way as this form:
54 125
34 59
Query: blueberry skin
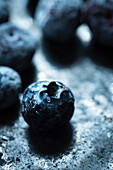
10 87
4 11
17 46
58 19
47 105
98 15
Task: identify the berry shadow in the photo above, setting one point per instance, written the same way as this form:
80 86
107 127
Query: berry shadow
28 76
51 142
101 55
61 54
9 115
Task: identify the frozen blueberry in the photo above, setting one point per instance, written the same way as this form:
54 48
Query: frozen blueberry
17 46
10 87
47 105
32 6
4 11
99 16
58 19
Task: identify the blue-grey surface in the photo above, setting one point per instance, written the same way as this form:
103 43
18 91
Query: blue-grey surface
85 144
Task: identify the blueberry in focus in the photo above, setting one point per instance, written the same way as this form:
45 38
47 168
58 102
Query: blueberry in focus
4 11
17 46
58 19
98 14
47 105
10 87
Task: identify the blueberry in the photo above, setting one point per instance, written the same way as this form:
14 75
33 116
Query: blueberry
58 19
10 87
99 16
17 46
47 105
4 11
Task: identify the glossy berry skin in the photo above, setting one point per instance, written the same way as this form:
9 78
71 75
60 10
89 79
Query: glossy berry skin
47 105
4 11
17 46
58 19
10 87
98 15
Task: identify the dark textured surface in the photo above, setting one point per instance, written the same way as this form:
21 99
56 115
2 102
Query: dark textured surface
87 142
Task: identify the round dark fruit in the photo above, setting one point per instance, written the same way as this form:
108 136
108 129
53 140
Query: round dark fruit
17 46
58 19
47 105
98 14
10 87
